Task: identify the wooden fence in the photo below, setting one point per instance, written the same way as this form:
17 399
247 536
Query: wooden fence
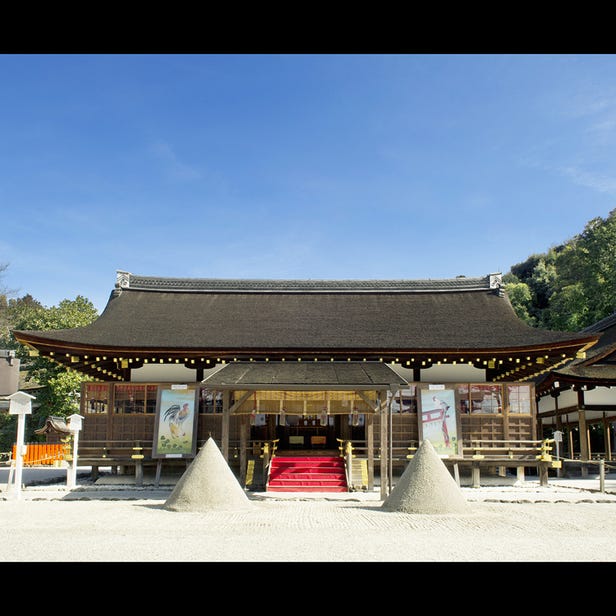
45 454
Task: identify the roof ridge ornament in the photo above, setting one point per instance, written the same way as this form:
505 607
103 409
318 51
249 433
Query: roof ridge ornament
122 279
496 283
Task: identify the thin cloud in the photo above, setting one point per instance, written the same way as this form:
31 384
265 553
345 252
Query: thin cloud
173 166
596 181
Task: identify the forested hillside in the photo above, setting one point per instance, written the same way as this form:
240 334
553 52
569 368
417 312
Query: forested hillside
572 285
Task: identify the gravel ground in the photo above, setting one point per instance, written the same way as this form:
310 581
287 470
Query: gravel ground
191 520
125 524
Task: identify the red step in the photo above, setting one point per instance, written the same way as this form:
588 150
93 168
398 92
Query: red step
307 474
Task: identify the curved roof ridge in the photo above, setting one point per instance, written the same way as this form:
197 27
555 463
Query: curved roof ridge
602 324
126 280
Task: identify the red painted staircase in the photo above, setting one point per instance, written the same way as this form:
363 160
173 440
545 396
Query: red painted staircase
307 474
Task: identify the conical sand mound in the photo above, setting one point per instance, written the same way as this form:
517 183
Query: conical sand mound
426 486
208 485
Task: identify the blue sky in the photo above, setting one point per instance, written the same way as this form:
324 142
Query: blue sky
295 166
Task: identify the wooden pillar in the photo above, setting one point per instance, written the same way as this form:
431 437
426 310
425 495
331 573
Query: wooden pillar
226 396
606 438
584 452
244 433
138 473
476 475
370 446
384 449
543 474
583 427
559 419
110 411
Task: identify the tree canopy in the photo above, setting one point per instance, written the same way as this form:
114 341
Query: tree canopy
57 388
571 286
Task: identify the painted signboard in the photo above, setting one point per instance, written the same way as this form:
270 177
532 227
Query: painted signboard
175 430
438 420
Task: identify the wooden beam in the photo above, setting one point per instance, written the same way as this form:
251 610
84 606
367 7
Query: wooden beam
239 402
367 400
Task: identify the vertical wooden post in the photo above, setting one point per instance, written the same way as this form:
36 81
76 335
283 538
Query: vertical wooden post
266 455
583 431
584 453
384 448
370 446
476 474
543 474
244 426
110 412
159 468
138 473
226 396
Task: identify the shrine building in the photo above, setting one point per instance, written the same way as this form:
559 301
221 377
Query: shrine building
578 399
305 367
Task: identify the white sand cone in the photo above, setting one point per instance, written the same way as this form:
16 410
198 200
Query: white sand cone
208 485
426 486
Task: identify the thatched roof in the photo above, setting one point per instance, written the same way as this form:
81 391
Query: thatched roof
226 318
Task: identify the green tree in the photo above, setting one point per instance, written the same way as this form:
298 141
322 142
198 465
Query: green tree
15 312
59 387
572 285
538 276
4 300
520 296
568 310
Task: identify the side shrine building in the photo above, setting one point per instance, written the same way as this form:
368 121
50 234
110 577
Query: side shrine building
268 367
578 399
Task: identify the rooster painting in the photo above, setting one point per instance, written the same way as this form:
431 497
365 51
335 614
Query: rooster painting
176 415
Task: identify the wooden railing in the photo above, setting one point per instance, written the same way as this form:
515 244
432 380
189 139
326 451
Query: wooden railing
498 450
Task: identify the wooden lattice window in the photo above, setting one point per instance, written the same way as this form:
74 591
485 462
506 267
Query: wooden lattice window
96 398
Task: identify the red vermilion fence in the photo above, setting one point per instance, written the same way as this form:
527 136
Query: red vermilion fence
42 453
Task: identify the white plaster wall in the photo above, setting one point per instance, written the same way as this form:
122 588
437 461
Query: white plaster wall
448 373
405 373
546 403
567 398
163 373
600 395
